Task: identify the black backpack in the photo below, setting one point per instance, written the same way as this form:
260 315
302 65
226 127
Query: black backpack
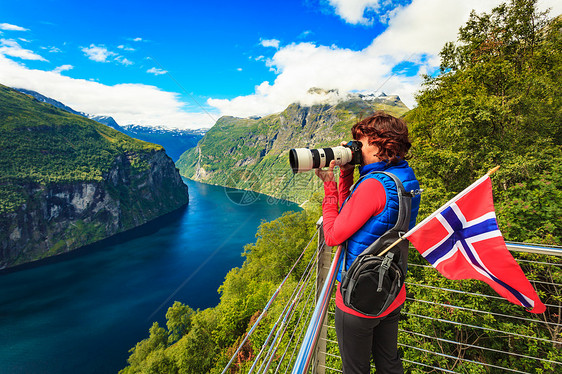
372 282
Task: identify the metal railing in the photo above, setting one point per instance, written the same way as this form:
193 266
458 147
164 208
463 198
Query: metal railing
446 326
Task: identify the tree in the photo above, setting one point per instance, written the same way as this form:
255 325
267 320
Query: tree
158 340
497 101
178 319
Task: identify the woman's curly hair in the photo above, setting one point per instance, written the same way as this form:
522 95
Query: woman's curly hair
388 133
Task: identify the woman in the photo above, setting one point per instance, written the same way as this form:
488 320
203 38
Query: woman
366 213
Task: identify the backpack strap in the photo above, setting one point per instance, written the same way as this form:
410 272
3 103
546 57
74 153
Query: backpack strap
402 222
390 236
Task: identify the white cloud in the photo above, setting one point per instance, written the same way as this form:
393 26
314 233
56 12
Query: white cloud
156 71
9 27
52 49
416 32
305 34
62 68
126 48
124 61
126 103
98 53
137 39
305 65
10 47
425 26
353 11
270 43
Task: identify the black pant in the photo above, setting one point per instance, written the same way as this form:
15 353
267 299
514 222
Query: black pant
359 338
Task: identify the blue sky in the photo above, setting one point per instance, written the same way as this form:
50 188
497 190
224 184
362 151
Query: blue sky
186 63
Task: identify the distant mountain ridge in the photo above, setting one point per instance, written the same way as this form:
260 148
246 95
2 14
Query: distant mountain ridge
252 153
48 100
174 141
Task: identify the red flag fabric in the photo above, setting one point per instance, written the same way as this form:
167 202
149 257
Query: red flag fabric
462 241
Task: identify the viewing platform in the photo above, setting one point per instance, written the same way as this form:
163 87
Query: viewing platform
446 326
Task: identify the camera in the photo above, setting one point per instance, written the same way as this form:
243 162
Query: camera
304 159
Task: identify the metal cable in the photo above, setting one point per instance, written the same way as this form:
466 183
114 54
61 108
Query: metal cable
313 330
483 311
256 360
290 303
464 359
300 337
421 266
482 328
530 280
275 343
268 305
279 341
480 347
552 246
467 293
287 316
331 369
297 324
311 293
453 290
428 366
546 283
538 262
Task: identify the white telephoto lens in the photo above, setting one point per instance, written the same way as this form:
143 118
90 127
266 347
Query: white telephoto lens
342 155
304 159
300 159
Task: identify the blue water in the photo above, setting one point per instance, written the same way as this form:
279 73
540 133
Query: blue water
82 312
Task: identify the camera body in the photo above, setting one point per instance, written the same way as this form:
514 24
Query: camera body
304 159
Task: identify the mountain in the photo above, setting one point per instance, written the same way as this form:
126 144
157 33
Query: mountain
174 141
105 120
252 153
67 181
48 100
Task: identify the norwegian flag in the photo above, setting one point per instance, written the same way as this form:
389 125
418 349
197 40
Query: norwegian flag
462 241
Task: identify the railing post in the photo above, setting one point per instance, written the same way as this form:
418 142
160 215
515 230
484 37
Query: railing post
322 269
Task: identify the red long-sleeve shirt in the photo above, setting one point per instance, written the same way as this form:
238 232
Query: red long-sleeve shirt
368 200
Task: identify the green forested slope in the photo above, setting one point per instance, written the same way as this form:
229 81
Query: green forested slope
252 154
67 181
497 101
42 144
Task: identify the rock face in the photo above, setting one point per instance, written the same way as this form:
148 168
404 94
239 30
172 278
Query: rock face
252 153
58 218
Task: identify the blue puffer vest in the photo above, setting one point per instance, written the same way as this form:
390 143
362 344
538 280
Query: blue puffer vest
382 222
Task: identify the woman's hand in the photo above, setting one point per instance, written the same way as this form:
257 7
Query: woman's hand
347 167
327 175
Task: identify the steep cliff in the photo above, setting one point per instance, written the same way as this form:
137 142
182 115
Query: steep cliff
252 154
68 181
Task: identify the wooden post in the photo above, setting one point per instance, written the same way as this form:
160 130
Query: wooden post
322 269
